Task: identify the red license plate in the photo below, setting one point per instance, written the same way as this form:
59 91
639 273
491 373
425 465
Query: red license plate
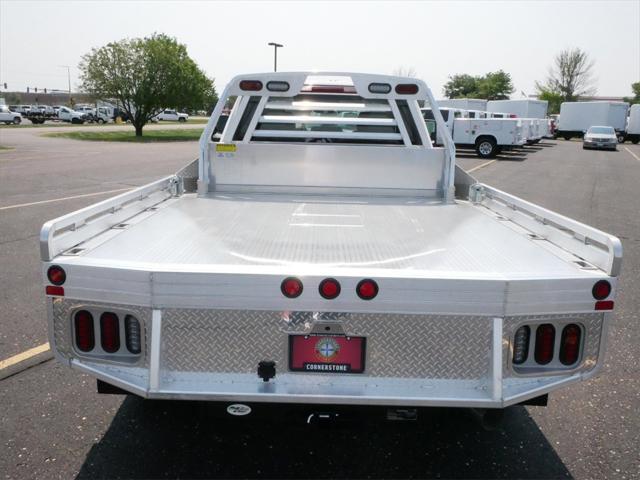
326 353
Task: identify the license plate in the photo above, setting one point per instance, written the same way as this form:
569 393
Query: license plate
327 353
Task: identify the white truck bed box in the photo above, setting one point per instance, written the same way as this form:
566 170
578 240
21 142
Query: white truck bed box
522 108
464 103
577 117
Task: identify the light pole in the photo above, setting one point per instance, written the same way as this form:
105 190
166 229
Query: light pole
275 54
68 79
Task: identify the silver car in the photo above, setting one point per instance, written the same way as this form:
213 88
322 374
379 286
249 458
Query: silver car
600 138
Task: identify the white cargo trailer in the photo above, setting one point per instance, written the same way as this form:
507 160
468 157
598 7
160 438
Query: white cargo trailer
577 117
633 124
526 108
464 103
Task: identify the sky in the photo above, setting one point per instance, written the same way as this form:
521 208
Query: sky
434 38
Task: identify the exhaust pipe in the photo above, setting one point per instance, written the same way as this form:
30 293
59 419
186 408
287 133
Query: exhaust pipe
489 419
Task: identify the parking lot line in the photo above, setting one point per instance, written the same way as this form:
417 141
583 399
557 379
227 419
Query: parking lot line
24 360
480 166
632 154
53 200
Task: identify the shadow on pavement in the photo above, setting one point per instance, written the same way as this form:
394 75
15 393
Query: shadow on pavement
192 440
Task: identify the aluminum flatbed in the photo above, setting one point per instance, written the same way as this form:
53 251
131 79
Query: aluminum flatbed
323 251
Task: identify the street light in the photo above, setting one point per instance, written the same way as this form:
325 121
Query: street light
68 79
275 54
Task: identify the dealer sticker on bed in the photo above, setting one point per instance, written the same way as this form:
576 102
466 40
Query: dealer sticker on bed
226 147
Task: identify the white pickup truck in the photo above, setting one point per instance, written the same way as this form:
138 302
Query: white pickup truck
321 251
488 136
172 116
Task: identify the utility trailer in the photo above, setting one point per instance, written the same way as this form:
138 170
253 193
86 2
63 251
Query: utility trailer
321 251
488 136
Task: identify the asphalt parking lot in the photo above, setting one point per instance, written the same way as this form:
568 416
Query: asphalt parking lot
54 425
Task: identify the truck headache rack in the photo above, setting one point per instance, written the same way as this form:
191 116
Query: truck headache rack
356 118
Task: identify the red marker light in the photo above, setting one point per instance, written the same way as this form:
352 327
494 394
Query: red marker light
329 288
56 275
601 290
251 85
291 287
55 291
604 305
367 289
407 88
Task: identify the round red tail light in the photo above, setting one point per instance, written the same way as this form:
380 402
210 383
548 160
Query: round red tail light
601 290
291 287
329 288
56 275
367 289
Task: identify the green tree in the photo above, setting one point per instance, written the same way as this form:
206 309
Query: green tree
554 99
492 86
571 76
635 88
146 75
495 86
461 85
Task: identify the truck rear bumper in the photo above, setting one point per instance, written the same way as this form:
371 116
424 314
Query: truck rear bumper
411 360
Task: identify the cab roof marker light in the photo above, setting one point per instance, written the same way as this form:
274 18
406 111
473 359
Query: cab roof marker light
379 88
407 88
278 86
251 85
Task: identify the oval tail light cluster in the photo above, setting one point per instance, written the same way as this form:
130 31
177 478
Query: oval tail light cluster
570 344
109 332
545 341
85 336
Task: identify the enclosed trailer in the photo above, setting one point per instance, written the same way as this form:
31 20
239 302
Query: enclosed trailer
526 108
577 117
464 103
633 124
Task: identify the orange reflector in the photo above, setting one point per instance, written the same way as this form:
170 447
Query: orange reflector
604 305
52 290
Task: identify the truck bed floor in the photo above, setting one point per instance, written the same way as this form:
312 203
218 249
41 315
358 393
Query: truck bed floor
270 231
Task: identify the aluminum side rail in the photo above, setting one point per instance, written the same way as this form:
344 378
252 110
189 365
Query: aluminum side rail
63 233
593 245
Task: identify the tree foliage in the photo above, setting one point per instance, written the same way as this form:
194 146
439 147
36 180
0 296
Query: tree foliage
146 75
635 88
554 100
570 76
405 72
492 86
